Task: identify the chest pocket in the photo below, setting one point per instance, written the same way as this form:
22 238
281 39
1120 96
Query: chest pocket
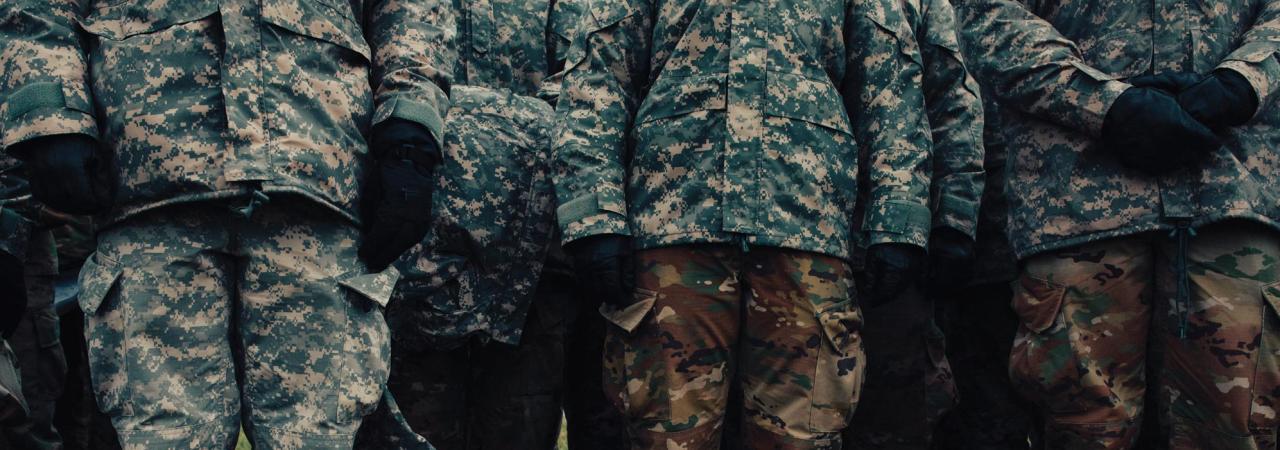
330 21
119 20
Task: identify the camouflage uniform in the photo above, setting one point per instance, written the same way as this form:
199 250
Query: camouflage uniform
478 322
211 109
1096 287
909 385
722 122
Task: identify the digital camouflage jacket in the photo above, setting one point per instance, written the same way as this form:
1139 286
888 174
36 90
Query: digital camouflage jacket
1056 66
477 271
204 99
704 121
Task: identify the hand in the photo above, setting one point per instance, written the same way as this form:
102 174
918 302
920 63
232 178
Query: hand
890 269
605 267
69 172
950 259
1148 131
1221 100
399 195
13 293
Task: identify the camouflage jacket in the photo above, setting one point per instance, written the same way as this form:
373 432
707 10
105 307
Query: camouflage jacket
1057 66
204 99
993 260
954 108
478 269
736 121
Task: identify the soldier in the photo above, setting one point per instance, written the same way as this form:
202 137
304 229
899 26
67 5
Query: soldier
224 146
1143 212
715 140
15 232
479 319
908 383
979 325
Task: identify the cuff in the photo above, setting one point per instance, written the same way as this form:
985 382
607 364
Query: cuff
603 212
41 109
897 221
1256 73
422 113
957 213
1092 92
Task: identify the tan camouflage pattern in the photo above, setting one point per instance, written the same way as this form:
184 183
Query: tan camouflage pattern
909 384
204 99
717 121
1057 66
783 322
477 270
1088 315
199 321
513 45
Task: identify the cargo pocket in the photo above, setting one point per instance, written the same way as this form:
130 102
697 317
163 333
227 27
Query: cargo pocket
1263 420
1042 359
839 369
106 328
367 357
634 371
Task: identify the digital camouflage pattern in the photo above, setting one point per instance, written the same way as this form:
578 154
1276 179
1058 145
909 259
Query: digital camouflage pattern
784 320
200 321
720 121
1090 314
477 270
204 99
1057 66
513 45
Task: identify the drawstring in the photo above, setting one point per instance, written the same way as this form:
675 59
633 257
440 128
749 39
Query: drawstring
1183 232
256 198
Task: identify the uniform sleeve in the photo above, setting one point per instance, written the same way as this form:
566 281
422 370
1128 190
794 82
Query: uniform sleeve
956 121
413 53
1033 68
883 97
562 23
44 81
608 66
1258 56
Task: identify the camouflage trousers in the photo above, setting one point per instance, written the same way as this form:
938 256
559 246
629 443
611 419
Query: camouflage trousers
488 395
200 321
909 385
38 347
781 324
979 326
1091 316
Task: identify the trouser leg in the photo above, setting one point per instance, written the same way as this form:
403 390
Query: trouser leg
38 346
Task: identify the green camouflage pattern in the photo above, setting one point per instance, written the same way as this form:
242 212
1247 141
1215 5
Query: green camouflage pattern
781 323
487 395
1057 66
718 121
477 270
205 99
38 345
513 45
199 321
1089 315
909 383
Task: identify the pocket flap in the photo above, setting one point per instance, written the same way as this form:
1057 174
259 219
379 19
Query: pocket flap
121 20
1271 294
673 95
318 20
97 278
1037 302
374 286
629 317
840 324
802 98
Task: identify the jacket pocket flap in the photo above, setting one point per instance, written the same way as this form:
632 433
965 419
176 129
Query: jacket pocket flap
377 287
318 20
122 20
802 98
97 278
674 95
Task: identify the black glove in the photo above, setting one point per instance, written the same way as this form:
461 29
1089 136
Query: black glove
890 269
950 259
605 266
1221 100
69 172
1148 131
13 293
398 198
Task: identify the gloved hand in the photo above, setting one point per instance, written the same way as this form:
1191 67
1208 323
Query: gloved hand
1148 131
69 172
950 259
1221 100
890 269
398 198
13 293
605 267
